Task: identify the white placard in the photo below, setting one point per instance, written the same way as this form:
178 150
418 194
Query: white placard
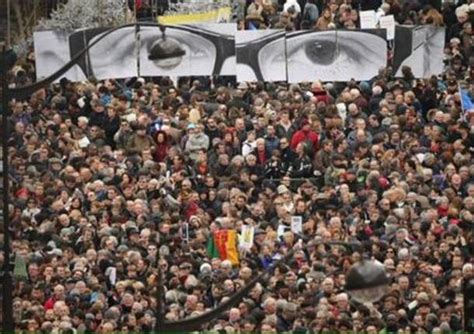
84 142
297 224
388 22
282 228
368 19
246 237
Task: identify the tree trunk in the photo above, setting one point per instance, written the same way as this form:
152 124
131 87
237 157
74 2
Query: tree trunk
19 19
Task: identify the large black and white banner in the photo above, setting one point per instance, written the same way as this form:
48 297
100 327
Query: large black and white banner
338 55
261 55
420 48
219 49
203 49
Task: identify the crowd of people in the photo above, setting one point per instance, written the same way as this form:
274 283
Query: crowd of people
323 15
117 181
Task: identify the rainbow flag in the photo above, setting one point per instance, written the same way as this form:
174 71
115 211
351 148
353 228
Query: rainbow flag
223 244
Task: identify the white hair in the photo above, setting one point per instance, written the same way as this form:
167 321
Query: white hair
462 10
83 119
377 90
467 267
404 254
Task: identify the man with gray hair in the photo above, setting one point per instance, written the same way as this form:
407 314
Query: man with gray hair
286 319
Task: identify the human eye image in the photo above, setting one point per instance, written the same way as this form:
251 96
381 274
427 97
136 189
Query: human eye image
200 49
175 51
111 53
261 55
334 55
52 53
420 48
223 35
115 54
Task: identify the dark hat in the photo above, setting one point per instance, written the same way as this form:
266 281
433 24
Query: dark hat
132 230
391 297
304 122
55 161
70 281
259 231
395 85
424 304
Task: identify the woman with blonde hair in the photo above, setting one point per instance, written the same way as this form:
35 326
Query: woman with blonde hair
324 20
433 17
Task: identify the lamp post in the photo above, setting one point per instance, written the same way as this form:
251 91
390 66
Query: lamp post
468 293
365 277
7 278
367 281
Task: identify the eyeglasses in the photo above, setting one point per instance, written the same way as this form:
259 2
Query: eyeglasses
200 44
212 48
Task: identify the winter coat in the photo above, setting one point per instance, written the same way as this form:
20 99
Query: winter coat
195 143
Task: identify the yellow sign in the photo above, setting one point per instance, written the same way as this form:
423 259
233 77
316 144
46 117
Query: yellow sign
213 16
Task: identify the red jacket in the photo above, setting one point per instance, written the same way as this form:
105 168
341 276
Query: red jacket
49 303
301 136
161 152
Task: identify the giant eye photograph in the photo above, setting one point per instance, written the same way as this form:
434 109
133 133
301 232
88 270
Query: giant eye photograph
223 36
111 53
261 55
166 52
184 50
334 55
114 55
52 53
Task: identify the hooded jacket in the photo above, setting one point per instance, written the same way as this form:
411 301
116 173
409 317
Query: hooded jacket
196 142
